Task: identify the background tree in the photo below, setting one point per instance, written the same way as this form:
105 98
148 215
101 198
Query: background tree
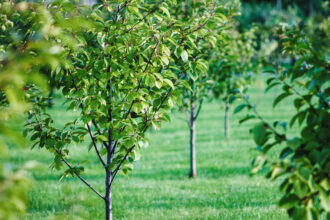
304 161
193 57
232 66
123 81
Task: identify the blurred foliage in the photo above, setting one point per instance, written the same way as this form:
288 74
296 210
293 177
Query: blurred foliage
264 18
29 51
234 64
304 162
211 46
124 64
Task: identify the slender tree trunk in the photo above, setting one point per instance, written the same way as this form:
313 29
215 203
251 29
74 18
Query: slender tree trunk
108 197
279 5
192 142
108 177
227 120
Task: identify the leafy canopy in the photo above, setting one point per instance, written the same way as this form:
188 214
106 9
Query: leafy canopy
129 71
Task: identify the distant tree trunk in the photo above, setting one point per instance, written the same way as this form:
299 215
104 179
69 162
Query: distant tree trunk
227 120
192 141
310 7
279 5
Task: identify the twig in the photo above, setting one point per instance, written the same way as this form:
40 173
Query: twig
131 149
261 118
149 13
82 179
94 144
199 109
138 88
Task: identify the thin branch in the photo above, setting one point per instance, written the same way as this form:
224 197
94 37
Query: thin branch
144 129
301 96
200 26
144 17
263 120
119 9
120 163
95 145
138 88
82 179
199 109
81 105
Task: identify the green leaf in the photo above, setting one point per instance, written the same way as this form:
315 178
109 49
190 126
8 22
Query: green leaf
289 201
325 199
294 143
246 118
169 82
186 85
103 151
165 60
239 108
165 11
150 80
271 86
260 134
184 56
101 138
280 98
158 84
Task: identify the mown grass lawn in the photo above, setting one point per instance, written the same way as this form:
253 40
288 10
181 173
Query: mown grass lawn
159 188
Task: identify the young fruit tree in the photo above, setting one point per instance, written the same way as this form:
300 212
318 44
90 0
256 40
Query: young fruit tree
124 79
232 66
192 55
304 161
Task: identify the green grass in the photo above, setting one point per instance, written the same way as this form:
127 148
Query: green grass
159 188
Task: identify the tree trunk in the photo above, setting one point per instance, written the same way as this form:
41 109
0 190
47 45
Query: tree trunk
192 142
279 5
108 187
108 173
108 198
227 120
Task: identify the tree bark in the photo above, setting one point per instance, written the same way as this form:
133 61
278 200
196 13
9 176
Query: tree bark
192 142
227 120
279 5
108 196
109 176
110 154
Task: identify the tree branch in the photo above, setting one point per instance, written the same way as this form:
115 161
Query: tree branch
114 173
138 88
81 105
144 17
199 109
281 136
82 179
131 149
95 145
